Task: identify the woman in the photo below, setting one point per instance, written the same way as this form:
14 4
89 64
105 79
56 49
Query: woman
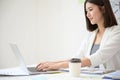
102 46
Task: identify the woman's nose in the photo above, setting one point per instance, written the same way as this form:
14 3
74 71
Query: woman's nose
88 14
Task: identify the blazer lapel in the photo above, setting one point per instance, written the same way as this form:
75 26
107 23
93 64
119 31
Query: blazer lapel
105 36
92 38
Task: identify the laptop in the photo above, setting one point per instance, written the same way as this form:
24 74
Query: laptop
22 69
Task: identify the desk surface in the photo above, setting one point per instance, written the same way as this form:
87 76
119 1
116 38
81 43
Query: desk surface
57 76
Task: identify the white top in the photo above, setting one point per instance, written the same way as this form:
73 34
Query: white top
108 53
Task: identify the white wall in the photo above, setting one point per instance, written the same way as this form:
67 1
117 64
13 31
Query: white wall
44 30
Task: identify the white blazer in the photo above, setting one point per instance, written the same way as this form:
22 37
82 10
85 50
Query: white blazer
108 53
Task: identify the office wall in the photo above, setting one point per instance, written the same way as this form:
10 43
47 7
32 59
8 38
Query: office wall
44 30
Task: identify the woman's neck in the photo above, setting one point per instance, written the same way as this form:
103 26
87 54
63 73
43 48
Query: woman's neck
101 29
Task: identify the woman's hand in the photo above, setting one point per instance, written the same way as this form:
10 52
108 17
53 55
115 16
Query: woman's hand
45 66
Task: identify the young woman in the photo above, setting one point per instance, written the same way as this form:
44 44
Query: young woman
102 46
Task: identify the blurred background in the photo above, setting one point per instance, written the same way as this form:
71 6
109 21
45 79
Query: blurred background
44 30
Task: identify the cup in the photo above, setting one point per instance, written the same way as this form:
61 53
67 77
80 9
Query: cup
75 67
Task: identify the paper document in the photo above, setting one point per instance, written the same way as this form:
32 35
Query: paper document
12 71
90 71
112 75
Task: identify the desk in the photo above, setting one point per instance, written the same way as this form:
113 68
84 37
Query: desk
57 76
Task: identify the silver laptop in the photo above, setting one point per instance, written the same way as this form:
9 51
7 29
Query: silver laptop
23 69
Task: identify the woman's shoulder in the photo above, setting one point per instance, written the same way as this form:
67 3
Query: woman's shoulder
115 27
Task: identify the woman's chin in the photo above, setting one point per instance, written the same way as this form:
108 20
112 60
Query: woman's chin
93 23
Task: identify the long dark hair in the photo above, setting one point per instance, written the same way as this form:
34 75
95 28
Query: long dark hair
109 17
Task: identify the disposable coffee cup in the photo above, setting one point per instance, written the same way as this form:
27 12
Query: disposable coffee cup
74 67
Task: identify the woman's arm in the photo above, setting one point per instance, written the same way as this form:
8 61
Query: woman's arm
52 65
85 62
60 64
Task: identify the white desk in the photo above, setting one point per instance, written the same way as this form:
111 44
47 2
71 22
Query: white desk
57 76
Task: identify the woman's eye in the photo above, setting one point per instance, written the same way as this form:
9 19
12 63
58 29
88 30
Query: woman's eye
90 9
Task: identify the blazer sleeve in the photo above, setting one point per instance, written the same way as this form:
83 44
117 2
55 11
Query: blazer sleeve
109 49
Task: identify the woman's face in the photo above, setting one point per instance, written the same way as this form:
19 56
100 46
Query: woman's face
94 13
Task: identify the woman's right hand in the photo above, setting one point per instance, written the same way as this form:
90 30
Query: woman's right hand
45 66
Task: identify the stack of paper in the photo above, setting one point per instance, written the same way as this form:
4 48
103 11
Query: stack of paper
90 70
112 75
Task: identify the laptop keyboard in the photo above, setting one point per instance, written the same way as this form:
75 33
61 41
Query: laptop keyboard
32 69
